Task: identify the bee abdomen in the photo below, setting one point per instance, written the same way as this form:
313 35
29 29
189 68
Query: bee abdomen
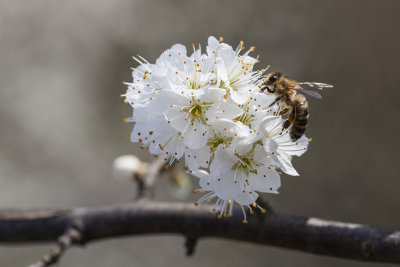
300 120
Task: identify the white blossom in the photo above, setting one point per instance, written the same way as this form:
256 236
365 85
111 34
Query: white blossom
207 108
278 144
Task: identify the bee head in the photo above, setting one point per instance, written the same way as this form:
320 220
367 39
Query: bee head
270 81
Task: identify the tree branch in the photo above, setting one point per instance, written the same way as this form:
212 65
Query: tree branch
312 235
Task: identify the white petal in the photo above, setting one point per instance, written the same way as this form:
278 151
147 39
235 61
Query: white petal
212 45
229 128
200 174
286 165
230 111
197 158
270 145
223 161
140 132
240 97
193 137
296 148
168 98
160 126
178 48
226 53
266 180
222 74
204 182
263 157
224 185
178 119
246 198
211 95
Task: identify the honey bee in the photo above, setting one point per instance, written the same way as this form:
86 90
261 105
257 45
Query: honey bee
290 96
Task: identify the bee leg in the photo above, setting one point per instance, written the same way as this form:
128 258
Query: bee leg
288 122
276 100
286 125
284 111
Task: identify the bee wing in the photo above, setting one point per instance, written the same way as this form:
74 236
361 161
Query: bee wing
307 87
314 85
309 92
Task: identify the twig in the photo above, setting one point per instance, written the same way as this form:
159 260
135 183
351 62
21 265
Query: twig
344 240
190 245
146 177
65 241
146 182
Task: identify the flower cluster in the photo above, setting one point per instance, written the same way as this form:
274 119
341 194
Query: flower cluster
208 109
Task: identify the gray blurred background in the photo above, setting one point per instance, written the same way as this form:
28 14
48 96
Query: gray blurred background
61 67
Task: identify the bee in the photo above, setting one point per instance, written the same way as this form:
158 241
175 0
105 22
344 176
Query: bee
291 97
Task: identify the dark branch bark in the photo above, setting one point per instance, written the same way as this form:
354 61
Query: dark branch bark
313 235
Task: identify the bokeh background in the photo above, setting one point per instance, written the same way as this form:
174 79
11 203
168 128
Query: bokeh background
61 67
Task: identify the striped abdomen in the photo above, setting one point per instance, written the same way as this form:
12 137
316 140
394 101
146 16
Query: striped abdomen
300 119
